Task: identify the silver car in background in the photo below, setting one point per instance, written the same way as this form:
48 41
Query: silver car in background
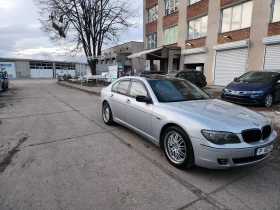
190 126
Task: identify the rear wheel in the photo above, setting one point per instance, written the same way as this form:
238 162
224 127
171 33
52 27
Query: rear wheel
178 148
268 100
107 114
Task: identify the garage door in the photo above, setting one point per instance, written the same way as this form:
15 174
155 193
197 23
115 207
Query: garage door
230 64
272 57
41 73
194 58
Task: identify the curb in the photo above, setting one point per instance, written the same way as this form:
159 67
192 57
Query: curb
76 88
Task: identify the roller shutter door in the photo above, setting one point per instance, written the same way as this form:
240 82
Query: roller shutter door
272 57
194 58
230 64
41 73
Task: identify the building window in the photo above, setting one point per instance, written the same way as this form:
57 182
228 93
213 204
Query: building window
152 13
152 41
237 17
275 11
197 28
193 1
170 35
171 6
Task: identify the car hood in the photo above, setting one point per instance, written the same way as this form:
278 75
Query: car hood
246 86
218 114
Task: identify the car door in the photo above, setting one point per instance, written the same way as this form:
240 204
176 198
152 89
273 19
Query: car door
118 99
277 88
138 114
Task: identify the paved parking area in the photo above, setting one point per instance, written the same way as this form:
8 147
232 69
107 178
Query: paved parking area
56 153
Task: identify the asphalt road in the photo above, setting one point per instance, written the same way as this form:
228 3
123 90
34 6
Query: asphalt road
56 153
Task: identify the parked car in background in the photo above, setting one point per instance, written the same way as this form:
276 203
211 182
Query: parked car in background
152 72
172 73
190 126
260 87
4 80
196 77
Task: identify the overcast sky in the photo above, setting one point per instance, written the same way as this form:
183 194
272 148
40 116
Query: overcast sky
21 37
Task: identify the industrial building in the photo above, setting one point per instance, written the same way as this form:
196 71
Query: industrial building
27 68
222 38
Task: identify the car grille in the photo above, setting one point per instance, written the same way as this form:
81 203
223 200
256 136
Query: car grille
236 100
266 131
255 135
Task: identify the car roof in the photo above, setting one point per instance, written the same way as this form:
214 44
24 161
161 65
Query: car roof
267 70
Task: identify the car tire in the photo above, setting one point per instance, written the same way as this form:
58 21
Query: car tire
268 100
107 115
178 148
7 86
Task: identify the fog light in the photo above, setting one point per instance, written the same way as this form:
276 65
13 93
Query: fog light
222 161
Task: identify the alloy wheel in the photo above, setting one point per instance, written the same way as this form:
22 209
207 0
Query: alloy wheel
106 113
175 147
268 100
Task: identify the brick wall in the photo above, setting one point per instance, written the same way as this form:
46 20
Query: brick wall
172 45
197 8
170 19
200 42
274 29
238 35
226 2
150 3
151 27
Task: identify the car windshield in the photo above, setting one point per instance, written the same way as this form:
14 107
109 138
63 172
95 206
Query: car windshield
1 75
257 77
176 90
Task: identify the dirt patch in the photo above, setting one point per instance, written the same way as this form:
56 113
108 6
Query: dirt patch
8 159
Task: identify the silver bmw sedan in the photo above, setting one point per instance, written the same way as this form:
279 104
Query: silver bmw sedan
190 126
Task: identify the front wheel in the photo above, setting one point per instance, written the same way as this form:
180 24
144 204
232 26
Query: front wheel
107 114
268 100
178 148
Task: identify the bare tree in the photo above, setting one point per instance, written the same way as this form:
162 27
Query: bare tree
86 24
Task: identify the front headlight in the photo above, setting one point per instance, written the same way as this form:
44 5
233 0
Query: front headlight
226 90
218 137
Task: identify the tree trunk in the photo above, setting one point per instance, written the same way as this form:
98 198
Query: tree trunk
92 65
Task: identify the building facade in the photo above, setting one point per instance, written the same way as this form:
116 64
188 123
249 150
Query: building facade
27 68
118 56
222 38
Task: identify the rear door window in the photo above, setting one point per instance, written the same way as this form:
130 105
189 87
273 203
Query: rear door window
182 75
137 89
190 76
123 87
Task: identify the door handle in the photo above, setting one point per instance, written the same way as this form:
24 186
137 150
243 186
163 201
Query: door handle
112 95
128 101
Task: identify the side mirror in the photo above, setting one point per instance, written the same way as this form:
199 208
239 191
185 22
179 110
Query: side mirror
143 99
235 79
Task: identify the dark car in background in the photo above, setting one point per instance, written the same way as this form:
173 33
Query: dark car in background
260 87
152 72
4 80
196 77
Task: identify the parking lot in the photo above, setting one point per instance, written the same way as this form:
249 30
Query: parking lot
56 153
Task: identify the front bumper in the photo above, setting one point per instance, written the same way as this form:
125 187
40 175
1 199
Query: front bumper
208 155
246 99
